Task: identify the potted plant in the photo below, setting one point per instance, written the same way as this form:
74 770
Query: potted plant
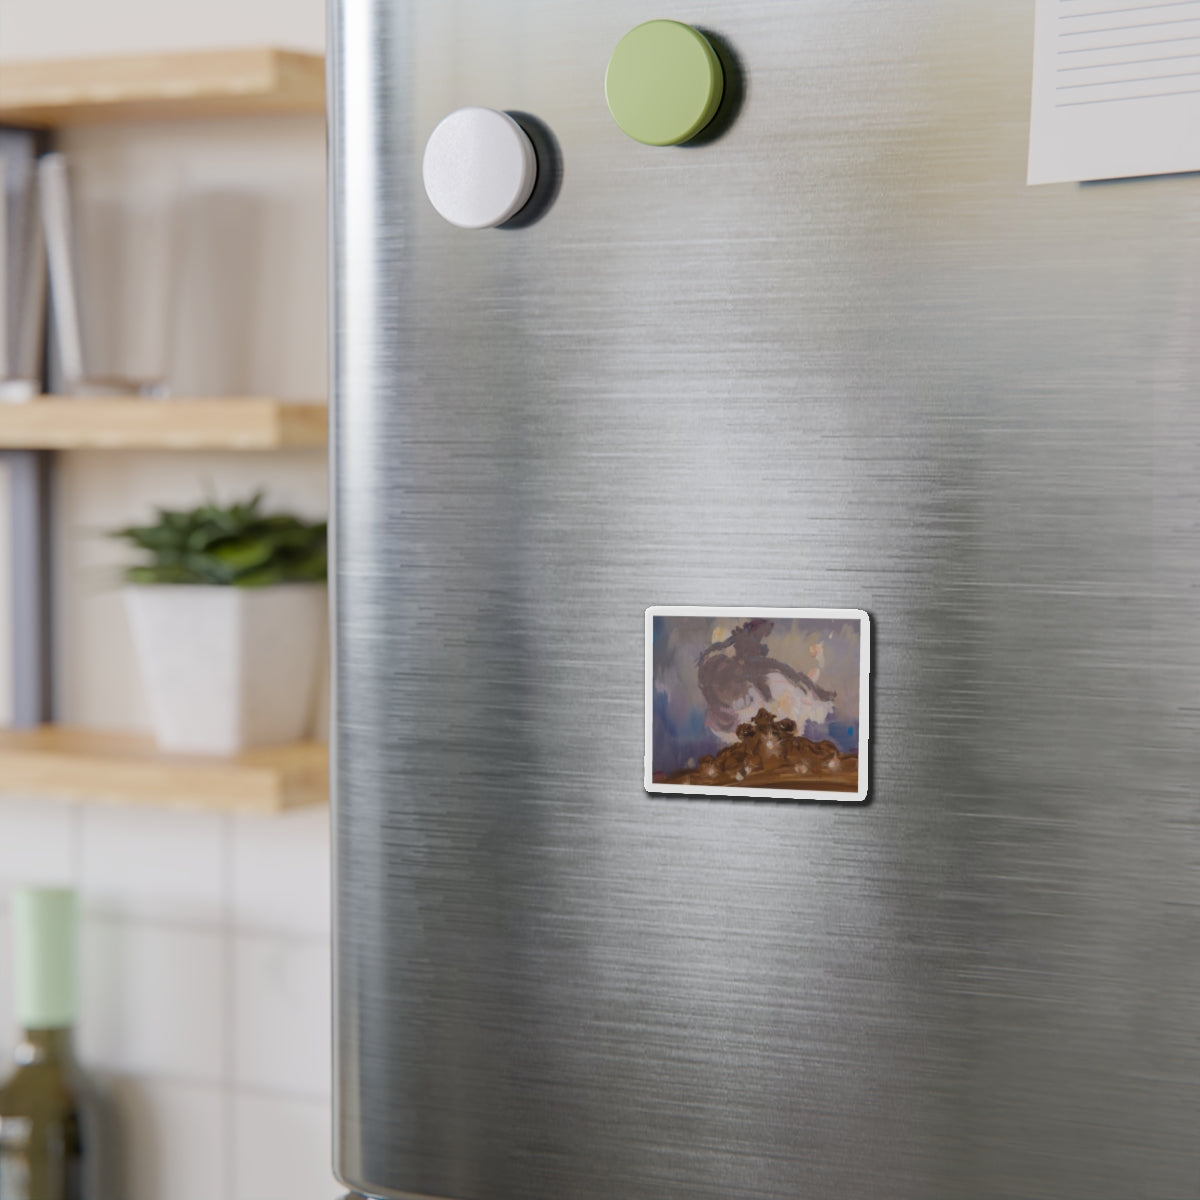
228 621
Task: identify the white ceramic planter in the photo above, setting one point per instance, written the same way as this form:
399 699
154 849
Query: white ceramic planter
228 668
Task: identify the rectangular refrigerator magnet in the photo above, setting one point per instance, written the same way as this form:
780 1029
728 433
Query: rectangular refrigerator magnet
758 702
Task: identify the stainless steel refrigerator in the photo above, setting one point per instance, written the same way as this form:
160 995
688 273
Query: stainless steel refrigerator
832 352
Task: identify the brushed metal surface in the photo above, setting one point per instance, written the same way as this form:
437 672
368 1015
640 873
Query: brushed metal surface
840 356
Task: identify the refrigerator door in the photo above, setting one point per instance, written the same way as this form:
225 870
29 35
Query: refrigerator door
837 356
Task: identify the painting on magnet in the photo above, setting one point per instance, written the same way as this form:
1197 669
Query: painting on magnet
758 702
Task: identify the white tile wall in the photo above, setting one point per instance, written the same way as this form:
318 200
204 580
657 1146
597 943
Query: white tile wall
282 1150
156 1000
205 976
281 872
171 1142
154 864
38 843
282 1015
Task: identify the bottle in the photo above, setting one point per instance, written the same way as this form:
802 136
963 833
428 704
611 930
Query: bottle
42 1128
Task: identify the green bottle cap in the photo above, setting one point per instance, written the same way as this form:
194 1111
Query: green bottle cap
664 83
44 924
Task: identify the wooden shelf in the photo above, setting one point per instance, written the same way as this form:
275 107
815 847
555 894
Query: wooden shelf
77 764
229 423
216 83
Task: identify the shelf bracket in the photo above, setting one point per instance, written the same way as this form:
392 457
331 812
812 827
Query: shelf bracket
29 474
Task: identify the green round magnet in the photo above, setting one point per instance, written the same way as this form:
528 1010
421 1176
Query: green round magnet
664 83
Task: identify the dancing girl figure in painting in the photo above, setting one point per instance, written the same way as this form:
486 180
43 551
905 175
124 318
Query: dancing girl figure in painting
731 671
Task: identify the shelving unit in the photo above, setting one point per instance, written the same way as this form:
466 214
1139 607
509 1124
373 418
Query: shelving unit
43 759
144 87
227 423
79 764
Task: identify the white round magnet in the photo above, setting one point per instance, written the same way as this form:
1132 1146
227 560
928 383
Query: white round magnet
479 168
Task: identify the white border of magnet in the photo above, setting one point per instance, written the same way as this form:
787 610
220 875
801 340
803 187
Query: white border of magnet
737 793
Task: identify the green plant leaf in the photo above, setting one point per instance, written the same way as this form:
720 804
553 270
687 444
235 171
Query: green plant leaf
262 577
245 553
161 574
233 545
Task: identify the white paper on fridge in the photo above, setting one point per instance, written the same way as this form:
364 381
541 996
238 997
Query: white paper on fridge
1116 89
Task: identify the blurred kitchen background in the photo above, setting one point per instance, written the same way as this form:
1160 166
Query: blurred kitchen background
205 946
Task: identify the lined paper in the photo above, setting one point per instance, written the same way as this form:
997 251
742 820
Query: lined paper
1116 89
